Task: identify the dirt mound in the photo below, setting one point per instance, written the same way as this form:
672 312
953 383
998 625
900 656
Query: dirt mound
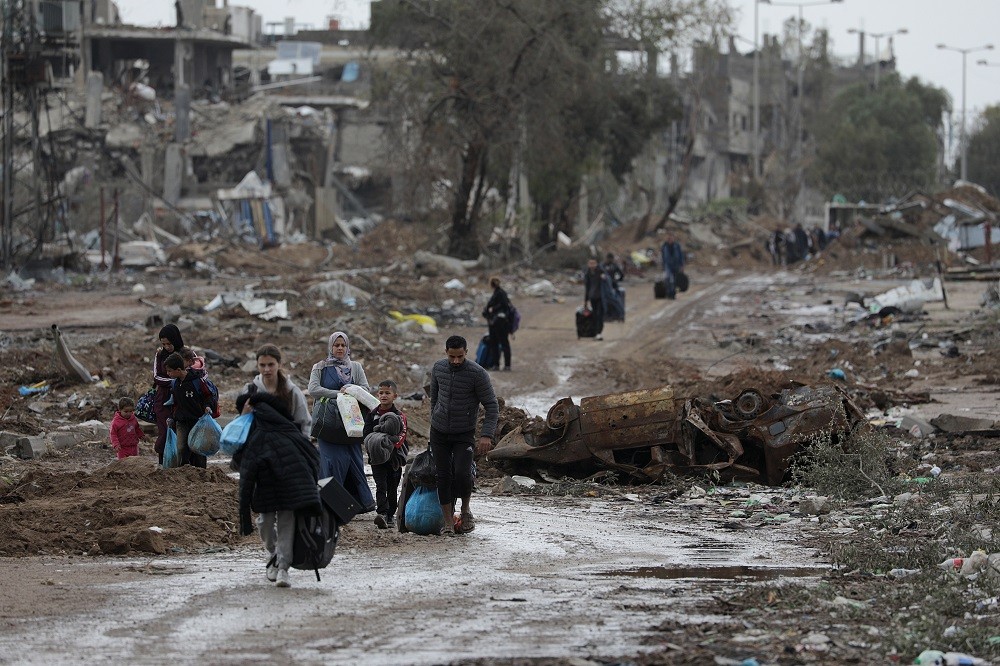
114 510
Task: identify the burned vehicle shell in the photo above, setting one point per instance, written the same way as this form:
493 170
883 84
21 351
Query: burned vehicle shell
647 433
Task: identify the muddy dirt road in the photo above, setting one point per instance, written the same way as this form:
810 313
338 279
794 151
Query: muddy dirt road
542 577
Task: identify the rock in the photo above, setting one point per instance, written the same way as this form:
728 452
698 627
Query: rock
8 439
512 485
185 324
149 541
63 440
29 448
139 288
902 499
115 545
524 481
249 367
814 506
431 264
541 288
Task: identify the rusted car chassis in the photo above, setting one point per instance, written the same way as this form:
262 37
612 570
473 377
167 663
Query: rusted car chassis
648 433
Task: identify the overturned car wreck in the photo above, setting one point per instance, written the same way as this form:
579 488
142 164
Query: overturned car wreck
648 433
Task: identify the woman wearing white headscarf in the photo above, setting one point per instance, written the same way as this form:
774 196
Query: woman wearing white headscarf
341 456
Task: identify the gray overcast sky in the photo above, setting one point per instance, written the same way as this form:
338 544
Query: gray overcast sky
957 23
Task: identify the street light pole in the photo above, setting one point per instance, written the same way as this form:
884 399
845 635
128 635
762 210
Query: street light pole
963 144
755 162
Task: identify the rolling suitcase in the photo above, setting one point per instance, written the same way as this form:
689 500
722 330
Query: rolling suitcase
682 281
659 289
586 325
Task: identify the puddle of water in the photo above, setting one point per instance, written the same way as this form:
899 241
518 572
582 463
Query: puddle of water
720 573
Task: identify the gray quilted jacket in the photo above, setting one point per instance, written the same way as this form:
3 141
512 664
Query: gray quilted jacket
456 393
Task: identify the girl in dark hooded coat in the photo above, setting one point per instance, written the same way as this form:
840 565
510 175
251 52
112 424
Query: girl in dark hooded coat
279 468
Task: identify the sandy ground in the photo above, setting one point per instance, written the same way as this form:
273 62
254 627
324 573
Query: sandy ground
540 578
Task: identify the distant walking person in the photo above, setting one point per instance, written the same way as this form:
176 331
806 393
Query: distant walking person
497 313
673 263
458 387
592 296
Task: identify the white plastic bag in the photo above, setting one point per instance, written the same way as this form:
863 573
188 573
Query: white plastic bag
362 396
350 413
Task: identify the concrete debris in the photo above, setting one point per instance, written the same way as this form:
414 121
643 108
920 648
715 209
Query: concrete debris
433 264
338 291
951 423
67 358
262 308
909 298
16 283
542 288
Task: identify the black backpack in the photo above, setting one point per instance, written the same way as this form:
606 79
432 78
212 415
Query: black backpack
316 534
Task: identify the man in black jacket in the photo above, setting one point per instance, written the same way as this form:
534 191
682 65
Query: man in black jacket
279 469
458 387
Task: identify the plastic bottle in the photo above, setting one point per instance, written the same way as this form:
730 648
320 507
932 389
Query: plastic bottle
938 658
952 563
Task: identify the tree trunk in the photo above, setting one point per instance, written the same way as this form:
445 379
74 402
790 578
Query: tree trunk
464 244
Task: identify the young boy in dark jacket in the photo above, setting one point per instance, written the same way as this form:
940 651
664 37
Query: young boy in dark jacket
387 474
279 468
192 400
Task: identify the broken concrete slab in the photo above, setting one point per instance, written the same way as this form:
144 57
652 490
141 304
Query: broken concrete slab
814 506
338 291
430 263
958 424
30 448
95 88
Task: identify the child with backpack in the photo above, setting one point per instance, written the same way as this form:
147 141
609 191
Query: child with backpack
193 397
125 431
279 469
385 441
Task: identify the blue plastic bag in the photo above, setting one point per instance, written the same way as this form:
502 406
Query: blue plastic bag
204 436
423 512
171 458
234 435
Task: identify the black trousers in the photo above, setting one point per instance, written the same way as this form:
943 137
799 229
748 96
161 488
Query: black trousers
387 487
453 455
499 342
597 309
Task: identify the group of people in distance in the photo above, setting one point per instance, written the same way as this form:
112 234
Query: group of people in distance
280 466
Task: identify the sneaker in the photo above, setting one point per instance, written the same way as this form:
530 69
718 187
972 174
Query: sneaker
390 522
283 578
381 522
272 570
598 337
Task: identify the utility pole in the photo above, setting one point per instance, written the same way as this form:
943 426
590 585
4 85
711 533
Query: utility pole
24 88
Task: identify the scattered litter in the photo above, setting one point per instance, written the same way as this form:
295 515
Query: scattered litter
427 324
39 387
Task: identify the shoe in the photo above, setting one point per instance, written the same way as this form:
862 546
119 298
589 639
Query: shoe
390 522
272 568
381 522
447 530
464 523
368 509
283 578
506 368
598 337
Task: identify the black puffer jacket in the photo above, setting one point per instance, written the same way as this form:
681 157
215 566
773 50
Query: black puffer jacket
457 392
280 466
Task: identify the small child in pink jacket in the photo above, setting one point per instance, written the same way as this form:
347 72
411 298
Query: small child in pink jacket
125 430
